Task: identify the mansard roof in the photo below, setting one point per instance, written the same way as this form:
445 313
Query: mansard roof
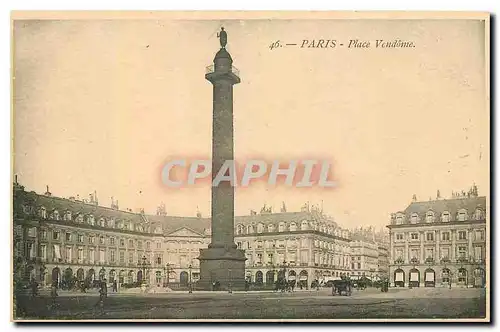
450 205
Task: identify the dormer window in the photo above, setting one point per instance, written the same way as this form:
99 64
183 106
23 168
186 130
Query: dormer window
260 228
281 227
239 230
462 215
79 218
293 227
111 223
120 224
158 230
399 220
56 215
429 217
90 220
43 213
303 225
140 228
414 218
249 229
445 217
478 215
270 228
102 222
67 216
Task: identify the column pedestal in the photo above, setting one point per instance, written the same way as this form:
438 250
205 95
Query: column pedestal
225 265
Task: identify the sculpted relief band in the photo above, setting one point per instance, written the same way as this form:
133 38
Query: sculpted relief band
304 173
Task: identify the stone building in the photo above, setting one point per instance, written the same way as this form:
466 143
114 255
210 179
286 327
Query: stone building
56 239
437 242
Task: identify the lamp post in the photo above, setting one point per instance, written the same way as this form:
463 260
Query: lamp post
190 279
143 269
168 265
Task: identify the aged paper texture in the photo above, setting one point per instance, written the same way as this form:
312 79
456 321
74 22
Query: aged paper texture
251 166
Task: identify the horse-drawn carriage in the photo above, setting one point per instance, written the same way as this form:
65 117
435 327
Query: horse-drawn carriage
342 287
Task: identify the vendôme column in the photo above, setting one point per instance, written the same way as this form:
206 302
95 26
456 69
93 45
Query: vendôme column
222 265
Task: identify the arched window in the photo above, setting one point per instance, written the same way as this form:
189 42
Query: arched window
478 214
249 229
270 228
281 227
260 228
293 227
414 218
56 215
304 225
239 229
462 215
429 217
445 216
90 219
102 222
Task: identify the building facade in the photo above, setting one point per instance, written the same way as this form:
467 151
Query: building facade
58 239
440 242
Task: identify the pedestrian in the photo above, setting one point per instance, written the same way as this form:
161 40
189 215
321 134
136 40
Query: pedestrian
53 294
34 288
103 294
115 286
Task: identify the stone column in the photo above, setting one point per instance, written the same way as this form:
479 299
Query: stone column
222 260
407 253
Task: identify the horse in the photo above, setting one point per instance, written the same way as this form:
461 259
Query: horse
340 286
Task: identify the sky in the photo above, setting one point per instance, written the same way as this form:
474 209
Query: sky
101 105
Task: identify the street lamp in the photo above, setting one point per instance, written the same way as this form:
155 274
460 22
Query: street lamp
168 265
190 279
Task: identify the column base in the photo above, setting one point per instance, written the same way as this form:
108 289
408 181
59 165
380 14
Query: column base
223 266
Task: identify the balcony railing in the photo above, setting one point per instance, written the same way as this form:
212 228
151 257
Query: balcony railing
211 69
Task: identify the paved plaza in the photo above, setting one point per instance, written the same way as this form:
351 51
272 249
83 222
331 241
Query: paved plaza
311 304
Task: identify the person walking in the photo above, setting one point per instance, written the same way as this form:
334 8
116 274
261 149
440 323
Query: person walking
53 294
103 294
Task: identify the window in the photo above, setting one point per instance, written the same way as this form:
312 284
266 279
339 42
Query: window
56 215
270 228
43 252
131 243
462 235
249 229
102 256
139 245
55 235
69 254
399 236
269 258
239 245
239 230
281 244
462 215
112 241
91 255
111 223
281 227
445 217
429 217
303 225
352 266
414 218
462 251
479 235
259 244
122 242
158 245
399 253
80 255
102 239
430 236
260 228
429 253
90 220
80 238
399 220
445 236
68 236
44 234
122 257
478 253
414 253
112 256
130 257
259 258
445 253
293 227
92 239
67 216
478 215
414 236
359 265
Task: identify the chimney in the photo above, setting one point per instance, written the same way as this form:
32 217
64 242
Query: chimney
47 192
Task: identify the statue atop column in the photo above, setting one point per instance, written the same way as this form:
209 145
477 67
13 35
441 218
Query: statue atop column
222 35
